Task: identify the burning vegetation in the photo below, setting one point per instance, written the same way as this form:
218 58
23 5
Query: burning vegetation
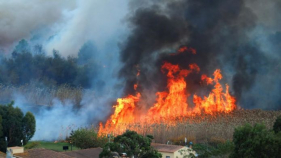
172 105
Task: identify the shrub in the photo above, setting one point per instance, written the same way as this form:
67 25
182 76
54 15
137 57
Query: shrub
206 150
32 145
215 141
277 125
133 144
87 138
255 141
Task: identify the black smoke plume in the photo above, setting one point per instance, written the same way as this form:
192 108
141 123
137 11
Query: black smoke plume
226 34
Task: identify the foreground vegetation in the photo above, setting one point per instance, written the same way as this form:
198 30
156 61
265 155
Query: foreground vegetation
248 141
256 141
131 143
214 150
87 138
16 128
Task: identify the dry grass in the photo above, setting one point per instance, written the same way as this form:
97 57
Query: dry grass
204 128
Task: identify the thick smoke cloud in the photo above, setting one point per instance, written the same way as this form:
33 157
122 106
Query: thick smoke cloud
226 34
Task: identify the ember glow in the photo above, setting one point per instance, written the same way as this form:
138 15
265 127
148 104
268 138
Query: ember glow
172 105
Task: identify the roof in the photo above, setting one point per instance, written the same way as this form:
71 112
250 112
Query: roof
45 153
86 153
42 153
166 148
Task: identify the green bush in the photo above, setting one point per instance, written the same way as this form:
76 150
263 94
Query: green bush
131 143
87 138
215 141
255 141
277 125
209 150
31 145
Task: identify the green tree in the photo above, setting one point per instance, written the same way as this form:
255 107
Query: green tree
86 52
277 125
132 144
29 126
16 126
87 138
255 141
2 139
1 128
22 46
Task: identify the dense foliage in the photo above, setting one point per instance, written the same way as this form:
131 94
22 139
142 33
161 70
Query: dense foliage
277 125
256 141
15 126
28 65
87 138
132 144
1 127
210 150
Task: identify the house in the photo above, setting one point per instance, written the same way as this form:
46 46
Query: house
173 151
16 149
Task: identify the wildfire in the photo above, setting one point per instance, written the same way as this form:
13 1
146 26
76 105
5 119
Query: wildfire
188 49
123 114
174 102
217 101
171 104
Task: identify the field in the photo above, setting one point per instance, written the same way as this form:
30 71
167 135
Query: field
205 128
49 145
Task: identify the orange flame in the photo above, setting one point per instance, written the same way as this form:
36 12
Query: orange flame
171 104
124 113
217 101
188 49
135 86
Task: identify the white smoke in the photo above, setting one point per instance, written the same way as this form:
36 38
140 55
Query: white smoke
62 25
57 121
98 21
20 19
